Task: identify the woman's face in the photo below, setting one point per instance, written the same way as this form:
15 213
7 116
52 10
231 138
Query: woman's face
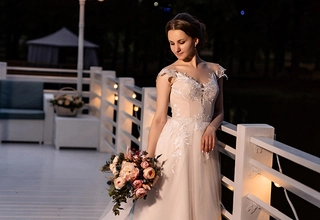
181 44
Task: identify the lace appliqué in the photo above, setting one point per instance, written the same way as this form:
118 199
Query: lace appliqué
202 122
182 140
221 72
170 74
197 91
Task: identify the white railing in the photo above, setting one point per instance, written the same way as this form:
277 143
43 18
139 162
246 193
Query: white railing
43 75
115 101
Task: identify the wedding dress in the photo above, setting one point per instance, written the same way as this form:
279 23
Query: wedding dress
190 186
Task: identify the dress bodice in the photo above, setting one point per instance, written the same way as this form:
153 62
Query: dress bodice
190 99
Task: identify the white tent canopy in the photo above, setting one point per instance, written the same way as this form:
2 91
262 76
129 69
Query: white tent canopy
45 50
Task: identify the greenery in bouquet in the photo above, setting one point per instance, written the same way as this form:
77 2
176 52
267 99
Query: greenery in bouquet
67 101
134 174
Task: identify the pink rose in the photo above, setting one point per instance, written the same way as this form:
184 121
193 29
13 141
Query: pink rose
141 192
119 182
149 173
144 164
137 184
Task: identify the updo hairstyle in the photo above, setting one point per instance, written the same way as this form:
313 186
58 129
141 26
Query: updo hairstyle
191 26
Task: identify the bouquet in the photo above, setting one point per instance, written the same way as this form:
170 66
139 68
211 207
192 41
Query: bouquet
134 174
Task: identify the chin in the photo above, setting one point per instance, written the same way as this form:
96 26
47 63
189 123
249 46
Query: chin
181 57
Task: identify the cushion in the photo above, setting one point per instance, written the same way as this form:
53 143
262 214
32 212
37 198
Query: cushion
21 95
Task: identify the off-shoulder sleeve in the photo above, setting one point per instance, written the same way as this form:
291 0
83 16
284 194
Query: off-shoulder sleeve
220 72
169 74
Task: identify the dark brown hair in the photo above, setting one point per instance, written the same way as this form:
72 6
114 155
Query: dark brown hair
190 25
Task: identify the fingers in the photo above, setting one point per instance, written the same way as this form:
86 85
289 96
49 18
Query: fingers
207 144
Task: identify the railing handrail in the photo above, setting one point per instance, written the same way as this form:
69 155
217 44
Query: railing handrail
295 155
47 79
39 69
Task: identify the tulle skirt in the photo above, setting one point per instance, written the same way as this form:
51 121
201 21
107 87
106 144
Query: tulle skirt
190 185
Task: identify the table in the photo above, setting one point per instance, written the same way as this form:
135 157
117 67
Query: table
81 131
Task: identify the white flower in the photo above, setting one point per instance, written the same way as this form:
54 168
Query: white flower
115 160
129 171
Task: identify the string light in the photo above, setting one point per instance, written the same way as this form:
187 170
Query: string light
135 108
116 97
134 95
115 86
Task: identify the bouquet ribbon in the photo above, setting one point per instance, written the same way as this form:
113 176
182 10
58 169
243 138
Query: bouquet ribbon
132 210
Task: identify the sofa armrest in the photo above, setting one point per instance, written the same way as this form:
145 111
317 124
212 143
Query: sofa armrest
48 120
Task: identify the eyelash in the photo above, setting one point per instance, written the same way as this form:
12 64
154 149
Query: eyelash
179 42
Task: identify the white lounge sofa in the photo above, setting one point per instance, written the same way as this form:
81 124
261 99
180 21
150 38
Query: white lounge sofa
26 114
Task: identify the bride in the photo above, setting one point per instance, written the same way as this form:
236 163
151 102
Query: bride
189 188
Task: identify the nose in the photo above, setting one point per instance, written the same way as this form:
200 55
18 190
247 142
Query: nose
177 48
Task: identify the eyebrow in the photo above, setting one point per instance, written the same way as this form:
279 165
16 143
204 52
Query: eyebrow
177 40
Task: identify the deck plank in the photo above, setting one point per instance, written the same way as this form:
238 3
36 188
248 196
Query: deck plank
39 182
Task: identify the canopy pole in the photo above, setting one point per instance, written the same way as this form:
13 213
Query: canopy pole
80 47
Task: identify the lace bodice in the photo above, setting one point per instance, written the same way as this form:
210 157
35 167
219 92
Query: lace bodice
190 99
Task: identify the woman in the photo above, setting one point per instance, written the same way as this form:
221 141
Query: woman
190 186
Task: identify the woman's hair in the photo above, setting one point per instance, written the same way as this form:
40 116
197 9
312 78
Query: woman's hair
190 25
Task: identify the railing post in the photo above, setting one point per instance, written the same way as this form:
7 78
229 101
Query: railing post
96 86
3 70
246 179
100 97
147 112
124 124
106 111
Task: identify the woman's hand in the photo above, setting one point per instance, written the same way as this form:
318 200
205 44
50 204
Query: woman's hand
208 140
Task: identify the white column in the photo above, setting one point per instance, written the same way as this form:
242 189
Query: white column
80 46
246 180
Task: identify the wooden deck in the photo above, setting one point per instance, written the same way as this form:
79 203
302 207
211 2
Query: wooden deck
40 182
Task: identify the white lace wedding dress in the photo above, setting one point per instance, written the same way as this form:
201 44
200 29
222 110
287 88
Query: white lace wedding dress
190 186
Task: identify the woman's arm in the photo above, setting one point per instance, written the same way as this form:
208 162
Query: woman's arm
163 88
208 140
